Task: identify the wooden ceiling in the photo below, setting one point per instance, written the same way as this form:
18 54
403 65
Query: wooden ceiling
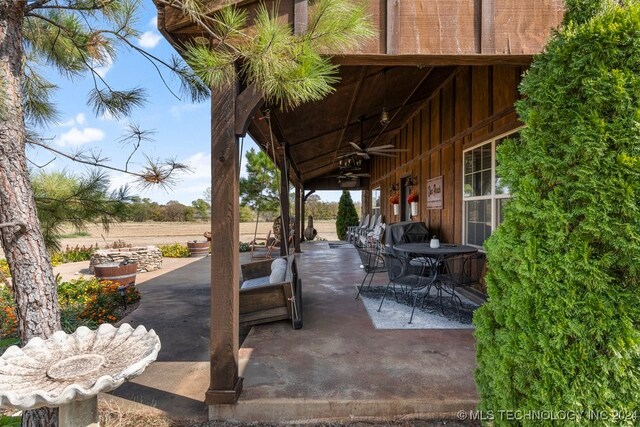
417 46
317 133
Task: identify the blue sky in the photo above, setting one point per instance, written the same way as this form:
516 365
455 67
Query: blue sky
181 128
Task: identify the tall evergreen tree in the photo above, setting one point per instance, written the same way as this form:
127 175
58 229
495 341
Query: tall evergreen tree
561 328
347 215
259 189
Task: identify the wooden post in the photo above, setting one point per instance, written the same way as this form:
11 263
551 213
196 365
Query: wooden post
365 201
303 218
225 385
284 203
299 230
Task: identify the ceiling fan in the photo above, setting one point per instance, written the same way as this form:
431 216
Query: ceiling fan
366 152
350 175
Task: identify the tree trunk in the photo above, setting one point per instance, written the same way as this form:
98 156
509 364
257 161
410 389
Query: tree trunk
33 281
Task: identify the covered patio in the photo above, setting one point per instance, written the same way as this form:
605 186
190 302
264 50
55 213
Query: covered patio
337 367
438 84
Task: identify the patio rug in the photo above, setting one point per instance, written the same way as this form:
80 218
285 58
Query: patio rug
395 315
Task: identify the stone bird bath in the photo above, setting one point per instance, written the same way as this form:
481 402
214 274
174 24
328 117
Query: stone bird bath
69 370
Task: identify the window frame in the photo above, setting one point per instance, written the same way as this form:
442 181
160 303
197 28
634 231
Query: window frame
376 210
493 197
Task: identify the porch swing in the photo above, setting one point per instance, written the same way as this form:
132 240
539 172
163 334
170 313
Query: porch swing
271 289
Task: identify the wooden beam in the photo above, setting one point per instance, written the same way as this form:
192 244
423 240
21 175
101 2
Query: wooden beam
298 217
392 12
487 28
347 122
247 104
300 16
427 60
225 385
284 204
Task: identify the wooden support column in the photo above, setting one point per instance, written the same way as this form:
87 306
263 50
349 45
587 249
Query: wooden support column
298 215
284 203
365 203
225 385
303 218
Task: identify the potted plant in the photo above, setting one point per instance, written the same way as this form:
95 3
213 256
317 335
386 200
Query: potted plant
413 201
395 201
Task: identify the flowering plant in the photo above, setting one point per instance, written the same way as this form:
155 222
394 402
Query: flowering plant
394 199
413 197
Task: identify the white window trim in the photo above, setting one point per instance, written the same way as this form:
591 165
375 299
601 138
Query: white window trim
493 196
379 207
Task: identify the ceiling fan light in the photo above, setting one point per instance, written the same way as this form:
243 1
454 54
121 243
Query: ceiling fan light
384 117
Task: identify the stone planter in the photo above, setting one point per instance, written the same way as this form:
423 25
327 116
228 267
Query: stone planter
147 258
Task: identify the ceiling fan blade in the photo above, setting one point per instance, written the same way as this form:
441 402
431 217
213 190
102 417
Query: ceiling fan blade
361 175
381 147
342 156
364 155
356 146
387 150
383 155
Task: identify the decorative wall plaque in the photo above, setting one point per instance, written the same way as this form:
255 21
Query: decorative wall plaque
434 193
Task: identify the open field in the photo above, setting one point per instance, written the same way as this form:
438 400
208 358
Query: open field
160 233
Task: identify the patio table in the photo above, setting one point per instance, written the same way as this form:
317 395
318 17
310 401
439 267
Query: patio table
437 256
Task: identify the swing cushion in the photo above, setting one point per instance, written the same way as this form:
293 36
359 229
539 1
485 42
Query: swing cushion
278 270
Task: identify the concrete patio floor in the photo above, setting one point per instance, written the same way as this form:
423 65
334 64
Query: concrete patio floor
338 367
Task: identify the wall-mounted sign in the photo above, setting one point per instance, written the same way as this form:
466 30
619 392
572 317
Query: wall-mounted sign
434 193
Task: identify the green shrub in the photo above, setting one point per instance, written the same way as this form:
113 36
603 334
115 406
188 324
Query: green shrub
175 250
561 328
77 291
347 215
4 268
75 254
8 320
105 305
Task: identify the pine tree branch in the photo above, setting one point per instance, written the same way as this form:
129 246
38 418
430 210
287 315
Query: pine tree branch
35 5
73 7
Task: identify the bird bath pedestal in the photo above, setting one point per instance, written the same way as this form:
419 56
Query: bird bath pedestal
68 371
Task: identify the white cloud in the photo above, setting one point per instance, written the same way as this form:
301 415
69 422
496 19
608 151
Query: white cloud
76 137
107 116
153 22
79 119
103 69
149 39
178 110
200 165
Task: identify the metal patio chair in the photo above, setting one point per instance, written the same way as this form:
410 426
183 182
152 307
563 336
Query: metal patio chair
411 281
352 230
372 262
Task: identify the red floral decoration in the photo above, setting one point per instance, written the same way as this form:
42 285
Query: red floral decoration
394 199
413 197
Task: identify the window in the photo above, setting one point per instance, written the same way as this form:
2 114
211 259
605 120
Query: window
375 201
484 196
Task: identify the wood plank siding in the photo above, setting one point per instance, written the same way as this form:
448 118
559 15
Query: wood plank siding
473 105
417 31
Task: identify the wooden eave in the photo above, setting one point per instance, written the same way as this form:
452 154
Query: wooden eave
419 45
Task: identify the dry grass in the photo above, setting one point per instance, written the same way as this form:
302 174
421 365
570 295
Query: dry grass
157 233
162 233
